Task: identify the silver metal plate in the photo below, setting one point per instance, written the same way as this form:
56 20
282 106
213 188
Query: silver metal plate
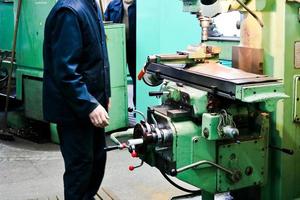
297 54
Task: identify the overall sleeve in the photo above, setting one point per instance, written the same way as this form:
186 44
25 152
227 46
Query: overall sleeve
66 50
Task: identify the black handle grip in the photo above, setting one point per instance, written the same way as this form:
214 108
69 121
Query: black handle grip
154 94
287 151
283 150
111 148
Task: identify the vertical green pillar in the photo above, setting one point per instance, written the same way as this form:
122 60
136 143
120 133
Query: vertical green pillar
280 33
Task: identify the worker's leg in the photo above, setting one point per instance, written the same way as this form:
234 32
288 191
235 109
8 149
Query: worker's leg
76 142
99 163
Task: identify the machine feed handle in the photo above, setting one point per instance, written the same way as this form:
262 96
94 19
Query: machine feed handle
174 172
155 94
141 74
111 148
283 150
115 147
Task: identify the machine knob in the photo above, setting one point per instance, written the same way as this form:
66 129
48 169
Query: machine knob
131 168
123 145
134 154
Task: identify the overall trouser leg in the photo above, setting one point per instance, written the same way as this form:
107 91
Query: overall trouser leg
77 141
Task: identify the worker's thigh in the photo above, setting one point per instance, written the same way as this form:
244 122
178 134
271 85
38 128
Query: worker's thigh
82 146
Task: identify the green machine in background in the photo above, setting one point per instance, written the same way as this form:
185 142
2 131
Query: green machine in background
29 63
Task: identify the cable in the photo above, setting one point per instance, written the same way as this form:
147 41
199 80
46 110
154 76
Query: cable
180 187
251 13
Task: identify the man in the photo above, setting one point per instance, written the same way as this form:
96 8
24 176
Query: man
76 92
124 11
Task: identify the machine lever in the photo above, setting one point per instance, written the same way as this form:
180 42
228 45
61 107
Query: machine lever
115 147
131 167
283 150
174 172
154 94
251 13
157 94
138 112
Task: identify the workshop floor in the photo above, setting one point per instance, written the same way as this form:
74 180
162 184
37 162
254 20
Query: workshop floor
30 171
34 171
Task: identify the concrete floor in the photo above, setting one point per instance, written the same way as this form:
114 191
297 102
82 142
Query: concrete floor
34 171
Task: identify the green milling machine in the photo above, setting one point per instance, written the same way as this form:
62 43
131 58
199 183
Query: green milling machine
28 67
226 129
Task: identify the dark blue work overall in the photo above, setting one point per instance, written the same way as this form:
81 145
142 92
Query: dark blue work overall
76 81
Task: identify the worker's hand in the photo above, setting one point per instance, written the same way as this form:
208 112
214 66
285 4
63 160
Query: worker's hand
99 117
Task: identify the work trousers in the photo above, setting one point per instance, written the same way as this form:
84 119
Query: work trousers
82 146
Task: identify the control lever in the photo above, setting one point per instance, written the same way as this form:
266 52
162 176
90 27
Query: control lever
131 167
235 175
138 112
131 148
158 93
283 150
115 147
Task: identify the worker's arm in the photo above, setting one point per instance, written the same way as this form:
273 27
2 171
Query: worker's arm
67 50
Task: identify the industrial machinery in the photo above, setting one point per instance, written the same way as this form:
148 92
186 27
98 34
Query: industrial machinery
227 129
27 73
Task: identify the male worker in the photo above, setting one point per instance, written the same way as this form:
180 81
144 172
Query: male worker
77 91
124 11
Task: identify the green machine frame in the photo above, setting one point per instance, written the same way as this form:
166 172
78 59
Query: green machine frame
29 61
281 47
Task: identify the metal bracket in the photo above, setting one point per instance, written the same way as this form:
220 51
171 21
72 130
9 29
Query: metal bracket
296 107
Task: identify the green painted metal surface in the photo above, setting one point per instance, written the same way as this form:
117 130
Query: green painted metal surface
236 156
246 157
249 157
31 32
162 27
115 34
6 25
291 132
190 147
281 31
22 72
116 50
210 124
33 99
196 98
29 69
